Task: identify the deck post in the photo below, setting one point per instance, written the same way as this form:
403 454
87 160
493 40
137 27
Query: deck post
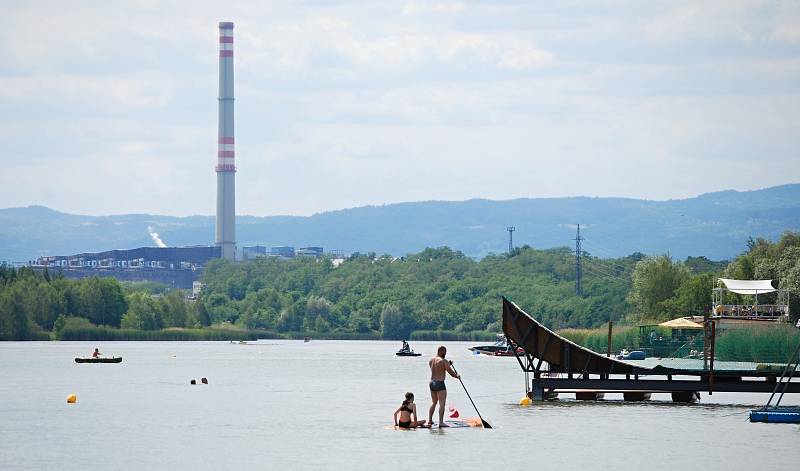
711 363
538 392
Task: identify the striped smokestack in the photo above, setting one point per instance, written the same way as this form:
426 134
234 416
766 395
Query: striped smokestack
226 168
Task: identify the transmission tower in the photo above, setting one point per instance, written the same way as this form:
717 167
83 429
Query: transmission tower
510 230
578 269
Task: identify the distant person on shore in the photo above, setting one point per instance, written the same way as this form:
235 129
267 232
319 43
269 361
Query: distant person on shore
406 415
439 366
96 353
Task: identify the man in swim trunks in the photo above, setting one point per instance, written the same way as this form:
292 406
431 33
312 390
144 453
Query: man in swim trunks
439 366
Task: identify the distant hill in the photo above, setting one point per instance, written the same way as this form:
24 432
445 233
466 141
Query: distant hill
716 225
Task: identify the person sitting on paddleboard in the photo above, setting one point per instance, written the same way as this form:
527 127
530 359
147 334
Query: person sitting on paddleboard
96 353
408 414
439 366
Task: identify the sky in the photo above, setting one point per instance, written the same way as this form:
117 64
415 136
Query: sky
111 107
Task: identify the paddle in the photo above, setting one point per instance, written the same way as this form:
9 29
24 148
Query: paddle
485 423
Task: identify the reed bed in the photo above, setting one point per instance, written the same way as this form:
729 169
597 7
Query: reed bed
451 336
597 339
761 344
95 333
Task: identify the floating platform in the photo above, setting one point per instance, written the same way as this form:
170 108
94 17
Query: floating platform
569 367
783 415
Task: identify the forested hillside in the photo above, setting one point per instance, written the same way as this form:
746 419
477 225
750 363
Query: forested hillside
420 295
714 225
436 289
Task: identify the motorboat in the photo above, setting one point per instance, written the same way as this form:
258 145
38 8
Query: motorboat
501 347
407 353
631 355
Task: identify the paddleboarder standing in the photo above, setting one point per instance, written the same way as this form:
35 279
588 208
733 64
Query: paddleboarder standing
439 366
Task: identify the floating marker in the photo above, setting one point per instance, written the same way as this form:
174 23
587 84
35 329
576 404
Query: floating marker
525 401
72 399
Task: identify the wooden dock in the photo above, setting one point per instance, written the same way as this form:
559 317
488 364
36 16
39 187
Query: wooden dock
559 365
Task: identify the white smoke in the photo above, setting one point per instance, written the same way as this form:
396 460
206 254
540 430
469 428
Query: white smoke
155 237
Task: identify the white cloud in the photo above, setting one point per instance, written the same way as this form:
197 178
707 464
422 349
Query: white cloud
417 7
342 104
134 91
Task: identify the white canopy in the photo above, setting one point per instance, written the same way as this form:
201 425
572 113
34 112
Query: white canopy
748 286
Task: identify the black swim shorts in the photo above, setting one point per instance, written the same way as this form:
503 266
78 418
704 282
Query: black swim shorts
436 385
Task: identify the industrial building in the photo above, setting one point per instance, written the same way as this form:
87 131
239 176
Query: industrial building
309 252
173 258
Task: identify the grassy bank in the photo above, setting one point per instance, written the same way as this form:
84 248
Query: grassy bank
172 334
95 333
333 335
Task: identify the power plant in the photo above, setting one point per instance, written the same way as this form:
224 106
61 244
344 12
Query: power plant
181 266
226 153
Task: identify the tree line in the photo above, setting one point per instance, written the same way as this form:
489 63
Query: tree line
370 296
34 305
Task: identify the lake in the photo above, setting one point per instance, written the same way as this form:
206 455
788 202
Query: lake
282 404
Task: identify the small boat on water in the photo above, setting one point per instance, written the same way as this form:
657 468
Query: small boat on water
306 339
99 360
407 353
508 352
632 355
500 348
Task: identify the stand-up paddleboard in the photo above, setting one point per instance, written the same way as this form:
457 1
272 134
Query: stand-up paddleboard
470 422
463 423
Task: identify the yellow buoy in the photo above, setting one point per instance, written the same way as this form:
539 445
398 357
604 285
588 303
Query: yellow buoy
525 401
72 399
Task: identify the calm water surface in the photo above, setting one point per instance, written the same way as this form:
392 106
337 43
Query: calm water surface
329 404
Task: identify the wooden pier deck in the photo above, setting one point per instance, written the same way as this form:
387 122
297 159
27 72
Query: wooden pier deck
557 364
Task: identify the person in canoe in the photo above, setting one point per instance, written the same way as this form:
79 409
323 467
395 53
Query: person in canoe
406 415
439 366
96 353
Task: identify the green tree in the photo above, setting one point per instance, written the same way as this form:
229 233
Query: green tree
102 301
144 313
14 323
395 325
173 307
655 279
693 297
